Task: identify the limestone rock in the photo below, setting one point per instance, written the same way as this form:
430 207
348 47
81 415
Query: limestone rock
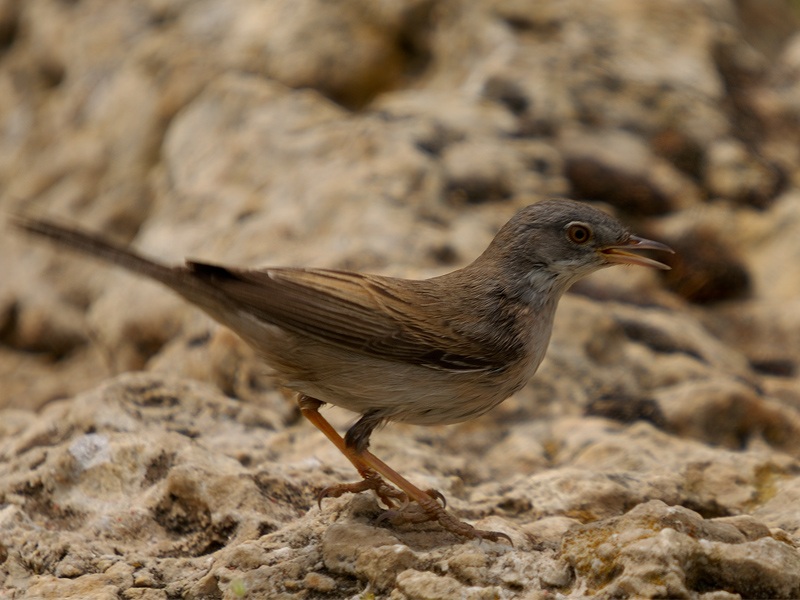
654 454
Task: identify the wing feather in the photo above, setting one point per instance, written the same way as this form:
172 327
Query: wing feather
361 313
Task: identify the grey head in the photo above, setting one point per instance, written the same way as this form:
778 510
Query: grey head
554 243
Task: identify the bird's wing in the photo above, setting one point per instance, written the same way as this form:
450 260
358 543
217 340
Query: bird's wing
361 313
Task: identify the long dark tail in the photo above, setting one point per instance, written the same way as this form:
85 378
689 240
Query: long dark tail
94 245
196 282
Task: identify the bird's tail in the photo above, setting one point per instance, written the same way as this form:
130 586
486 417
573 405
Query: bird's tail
195 282
94 245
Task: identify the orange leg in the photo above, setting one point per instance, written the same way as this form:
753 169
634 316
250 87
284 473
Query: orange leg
372 469
371 480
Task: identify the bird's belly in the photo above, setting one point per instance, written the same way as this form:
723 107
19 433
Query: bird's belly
398 391
418 395
409 393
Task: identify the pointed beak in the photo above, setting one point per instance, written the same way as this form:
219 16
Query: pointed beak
620 253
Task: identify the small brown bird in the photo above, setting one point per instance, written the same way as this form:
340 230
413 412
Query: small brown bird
430 352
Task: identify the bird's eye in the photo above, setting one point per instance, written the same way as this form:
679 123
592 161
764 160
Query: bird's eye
579 233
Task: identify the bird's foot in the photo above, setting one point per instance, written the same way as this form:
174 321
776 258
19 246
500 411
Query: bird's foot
431 510
453 525
413 513
390 496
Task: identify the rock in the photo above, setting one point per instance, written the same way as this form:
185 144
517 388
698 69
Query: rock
654 453
733 172
662 550
494 171
706 269
618 168
366 552
415 585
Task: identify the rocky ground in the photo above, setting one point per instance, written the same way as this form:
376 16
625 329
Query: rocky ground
144 455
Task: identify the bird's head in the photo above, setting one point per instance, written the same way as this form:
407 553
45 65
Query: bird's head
562 241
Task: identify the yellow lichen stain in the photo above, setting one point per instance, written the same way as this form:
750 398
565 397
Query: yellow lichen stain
766 481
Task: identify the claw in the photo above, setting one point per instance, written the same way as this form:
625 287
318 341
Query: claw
332 491
458 527
408 513
438 496
403 506
386 493
463 529
493 536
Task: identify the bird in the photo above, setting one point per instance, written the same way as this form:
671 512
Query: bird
433 351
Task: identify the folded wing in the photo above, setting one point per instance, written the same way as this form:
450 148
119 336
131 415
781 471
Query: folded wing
361 313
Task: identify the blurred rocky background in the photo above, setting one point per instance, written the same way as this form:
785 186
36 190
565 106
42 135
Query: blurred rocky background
143 455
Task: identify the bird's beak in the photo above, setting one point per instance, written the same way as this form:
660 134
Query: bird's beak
619 253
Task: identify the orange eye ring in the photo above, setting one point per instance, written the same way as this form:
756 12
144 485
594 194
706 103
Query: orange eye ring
578 233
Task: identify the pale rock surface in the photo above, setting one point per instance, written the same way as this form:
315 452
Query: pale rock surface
661 551
655 454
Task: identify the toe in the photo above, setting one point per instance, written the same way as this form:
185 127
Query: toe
437 495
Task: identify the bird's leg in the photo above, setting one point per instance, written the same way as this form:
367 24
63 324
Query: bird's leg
427 502
357 439
372 469
389 495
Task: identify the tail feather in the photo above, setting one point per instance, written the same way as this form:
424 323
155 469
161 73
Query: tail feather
189 282
94 245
